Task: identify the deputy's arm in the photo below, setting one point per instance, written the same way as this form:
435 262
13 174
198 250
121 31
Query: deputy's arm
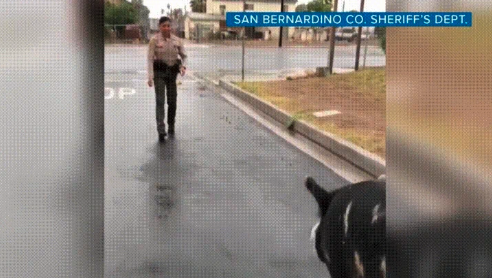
150 59
182 54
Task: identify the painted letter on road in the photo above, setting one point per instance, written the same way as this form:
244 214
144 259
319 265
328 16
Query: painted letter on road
125 91
108 93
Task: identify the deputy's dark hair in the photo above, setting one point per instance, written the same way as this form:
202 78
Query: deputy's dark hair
164 19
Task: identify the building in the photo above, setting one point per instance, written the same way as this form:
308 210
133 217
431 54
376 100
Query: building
200 24
154 25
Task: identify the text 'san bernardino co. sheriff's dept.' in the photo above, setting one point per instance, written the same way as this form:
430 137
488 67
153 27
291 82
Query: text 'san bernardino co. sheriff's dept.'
288 19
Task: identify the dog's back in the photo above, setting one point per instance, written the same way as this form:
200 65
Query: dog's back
350 238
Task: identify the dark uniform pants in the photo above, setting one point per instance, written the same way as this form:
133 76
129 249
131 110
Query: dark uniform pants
165 85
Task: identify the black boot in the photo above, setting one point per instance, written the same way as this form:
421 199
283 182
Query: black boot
171 130
162 137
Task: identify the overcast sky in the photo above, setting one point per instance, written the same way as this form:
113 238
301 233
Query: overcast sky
155 6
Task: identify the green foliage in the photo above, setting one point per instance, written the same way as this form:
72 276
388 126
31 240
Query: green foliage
213 36
319 6
292 121
378 31
301 8
198 6
382 38
142 12
124 13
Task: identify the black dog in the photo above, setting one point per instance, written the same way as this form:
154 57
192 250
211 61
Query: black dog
351 236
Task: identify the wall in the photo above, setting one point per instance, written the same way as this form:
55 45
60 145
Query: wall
190 26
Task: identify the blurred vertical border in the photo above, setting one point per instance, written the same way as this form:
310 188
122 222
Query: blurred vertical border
439 150
51 138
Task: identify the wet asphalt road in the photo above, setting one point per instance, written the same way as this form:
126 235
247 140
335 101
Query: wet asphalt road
206 58
223 198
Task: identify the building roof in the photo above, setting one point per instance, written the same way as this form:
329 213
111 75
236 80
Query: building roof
203 16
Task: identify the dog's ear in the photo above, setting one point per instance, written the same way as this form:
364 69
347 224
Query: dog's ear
323 197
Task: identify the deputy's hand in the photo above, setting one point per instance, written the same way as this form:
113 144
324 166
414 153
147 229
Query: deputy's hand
150 82
182 70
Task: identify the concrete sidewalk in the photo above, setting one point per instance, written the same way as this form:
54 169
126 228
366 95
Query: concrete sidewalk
352 153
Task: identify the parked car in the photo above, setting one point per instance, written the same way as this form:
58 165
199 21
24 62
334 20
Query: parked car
346 34
228 35
367 36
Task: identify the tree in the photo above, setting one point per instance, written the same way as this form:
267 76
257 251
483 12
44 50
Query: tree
319 6
123 13
178 17
177 14
198 6
120 14
301 8
378 31
143 17
382 38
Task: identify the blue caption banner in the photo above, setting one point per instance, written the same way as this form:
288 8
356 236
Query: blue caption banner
348 19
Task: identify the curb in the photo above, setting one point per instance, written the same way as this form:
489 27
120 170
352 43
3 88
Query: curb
199 76
359 157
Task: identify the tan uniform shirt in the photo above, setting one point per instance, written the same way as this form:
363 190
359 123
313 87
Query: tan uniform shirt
166 50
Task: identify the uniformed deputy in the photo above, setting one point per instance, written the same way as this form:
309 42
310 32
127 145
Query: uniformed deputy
163 68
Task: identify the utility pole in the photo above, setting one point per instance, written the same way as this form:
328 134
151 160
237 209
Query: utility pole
332 41
244 33
365 49
197 27
359 36
281 28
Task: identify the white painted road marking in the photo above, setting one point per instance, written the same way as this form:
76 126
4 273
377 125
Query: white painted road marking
126 91
321 114
122 92
108 93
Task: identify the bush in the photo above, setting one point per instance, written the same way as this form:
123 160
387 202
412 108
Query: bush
214 36
383 43
119 14
382 38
